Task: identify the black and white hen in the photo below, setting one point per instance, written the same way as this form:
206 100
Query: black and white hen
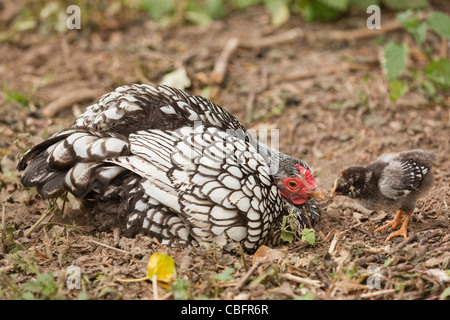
158 161
391 182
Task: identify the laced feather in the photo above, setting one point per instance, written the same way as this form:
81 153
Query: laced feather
156 160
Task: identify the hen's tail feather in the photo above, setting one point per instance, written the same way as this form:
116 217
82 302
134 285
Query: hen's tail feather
72 161
37 150
48 184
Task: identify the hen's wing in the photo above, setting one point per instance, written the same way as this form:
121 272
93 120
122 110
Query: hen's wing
216 182
140 106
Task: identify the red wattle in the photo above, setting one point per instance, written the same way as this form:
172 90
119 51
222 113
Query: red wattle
299 201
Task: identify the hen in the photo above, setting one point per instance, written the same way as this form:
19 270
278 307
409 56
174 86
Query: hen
158 161
391 182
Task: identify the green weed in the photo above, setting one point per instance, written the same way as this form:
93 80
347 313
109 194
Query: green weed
432 80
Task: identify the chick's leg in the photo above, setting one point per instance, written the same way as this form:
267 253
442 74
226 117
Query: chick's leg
394 223
402 231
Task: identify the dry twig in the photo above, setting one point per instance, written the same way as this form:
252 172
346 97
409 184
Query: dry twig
247 276
351 35
297 279
377 293
42 218
334 243
220 68
69 99
334 35
109 247
324 278
322 72
287 36
412 236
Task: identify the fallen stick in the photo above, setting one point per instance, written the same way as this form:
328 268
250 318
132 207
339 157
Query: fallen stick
333 243
42 218
324 278
286 36
377 293
109 247
340 35
412 236
220 67
333 35
247 276
297 279
322 72
69 99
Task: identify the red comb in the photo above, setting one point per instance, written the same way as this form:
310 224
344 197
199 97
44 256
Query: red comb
304 172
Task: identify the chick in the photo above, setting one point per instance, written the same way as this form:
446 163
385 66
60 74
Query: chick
391 182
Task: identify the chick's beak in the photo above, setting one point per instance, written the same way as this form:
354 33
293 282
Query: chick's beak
334 193
316 193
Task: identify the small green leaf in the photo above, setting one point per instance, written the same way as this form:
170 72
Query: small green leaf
306 296
43 287
278 10
199 17
317 11
428 88
395 55
286 235
339 5
363 4
157 9
407 19
438 72
216 8
181 289
398 88
270 273
420 33
82 295
241 4
28 296
226 275
406 4
413 25
309 235
440 23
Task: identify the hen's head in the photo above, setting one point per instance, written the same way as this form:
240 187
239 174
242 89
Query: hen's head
299 187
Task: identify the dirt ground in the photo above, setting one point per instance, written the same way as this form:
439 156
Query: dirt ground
328 98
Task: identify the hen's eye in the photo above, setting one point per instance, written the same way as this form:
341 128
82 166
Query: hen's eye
292 184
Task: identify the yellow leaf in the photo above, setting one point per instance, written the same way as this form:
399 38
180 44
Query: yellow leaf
162 266
159 266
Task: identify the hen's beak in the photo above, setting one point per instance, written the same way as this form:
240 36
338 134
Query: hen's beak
317 193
